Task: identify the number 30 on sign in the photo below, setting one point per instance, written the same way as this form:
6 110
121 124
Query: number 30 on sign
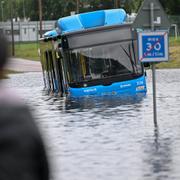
153 46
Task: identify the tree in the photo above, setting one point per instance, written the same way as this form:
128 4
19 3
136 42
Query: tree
172 7
53 9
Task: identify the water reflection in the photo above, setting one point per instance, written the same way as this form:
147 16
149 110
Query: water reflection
101 102
158 157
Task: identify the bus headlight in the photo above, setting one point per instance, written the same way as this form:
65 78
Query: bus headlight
140 88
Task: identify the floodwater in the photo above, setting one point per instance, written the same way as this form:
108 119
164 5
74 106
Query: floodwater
109 138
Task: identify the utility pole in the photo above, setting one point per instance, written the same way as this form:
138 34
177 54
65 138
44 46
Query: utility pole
116 3
24 11
77 6
12 30
40 17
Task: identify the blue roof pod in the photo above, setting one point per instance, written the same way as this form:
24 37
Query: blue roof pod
115 16
52 33
91 19
69 24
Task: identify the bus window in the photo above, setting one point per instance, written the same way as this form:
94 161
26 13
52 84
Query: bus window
104 61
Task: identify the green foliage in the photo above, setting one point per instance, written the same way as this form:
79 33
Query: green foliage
174 42
53 9
174 55
171 6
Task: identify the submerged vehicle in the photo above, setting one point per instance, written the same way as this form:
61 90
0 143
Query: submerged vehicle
92 54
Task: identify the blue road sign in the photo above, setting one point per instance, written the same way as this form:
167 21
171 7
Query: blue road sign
153 46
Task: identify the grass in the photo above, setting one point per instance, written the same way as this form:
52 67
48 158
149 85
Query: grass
30 51
27 51
174 42
174 55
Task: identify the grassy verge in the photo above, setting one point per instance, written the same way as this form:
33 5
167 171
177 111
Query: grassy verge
174 55
30 51
174 42
27 51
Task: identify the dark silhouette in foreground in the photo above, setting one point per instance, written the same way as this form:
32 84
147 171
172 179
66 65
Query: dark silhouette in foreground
22 152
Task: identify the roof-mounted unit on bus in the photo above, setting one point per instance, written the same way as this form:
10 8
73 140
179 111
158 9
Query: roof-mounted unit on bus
89 20
52 33
49 35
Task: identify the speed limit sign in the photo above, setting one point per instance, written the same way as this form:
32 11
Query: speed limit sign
153 46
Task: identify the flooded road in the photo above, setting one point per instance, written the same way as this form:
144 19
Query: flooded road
108 138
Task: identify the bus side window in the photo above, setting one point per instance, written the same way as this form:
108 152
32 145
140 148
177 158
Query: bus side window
47 77
51 61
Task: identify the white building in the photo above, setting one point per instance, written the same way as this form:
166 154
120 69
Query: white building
25 31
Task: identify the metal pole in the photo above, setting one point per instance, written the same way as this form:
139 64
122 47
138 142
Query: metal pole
12 32
115 3
77 6
176 31
24 11
153 70
40 17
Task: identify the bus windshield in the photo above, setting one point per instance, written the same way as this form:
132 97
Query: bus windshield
102 62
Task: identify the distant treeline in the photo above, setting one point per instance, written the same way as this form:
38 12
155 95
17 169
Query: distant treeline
54 9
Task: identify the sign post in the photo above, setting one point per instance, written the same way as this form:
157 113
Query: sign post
153 69
153 24
153 48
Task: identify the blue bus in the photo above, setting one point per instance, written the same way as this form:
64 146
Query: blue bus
92 54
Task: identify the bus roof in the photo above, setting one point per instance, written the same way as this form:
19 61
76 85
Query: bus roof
91 20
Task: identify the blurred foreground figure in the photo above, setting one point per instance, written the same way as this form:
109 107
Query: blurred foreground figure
22 153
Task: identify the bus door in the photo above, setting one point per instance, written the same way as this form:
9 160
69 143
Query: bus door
59 70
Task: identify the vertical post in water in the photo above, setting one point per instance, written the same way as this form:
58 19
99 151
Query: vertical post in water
153 70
